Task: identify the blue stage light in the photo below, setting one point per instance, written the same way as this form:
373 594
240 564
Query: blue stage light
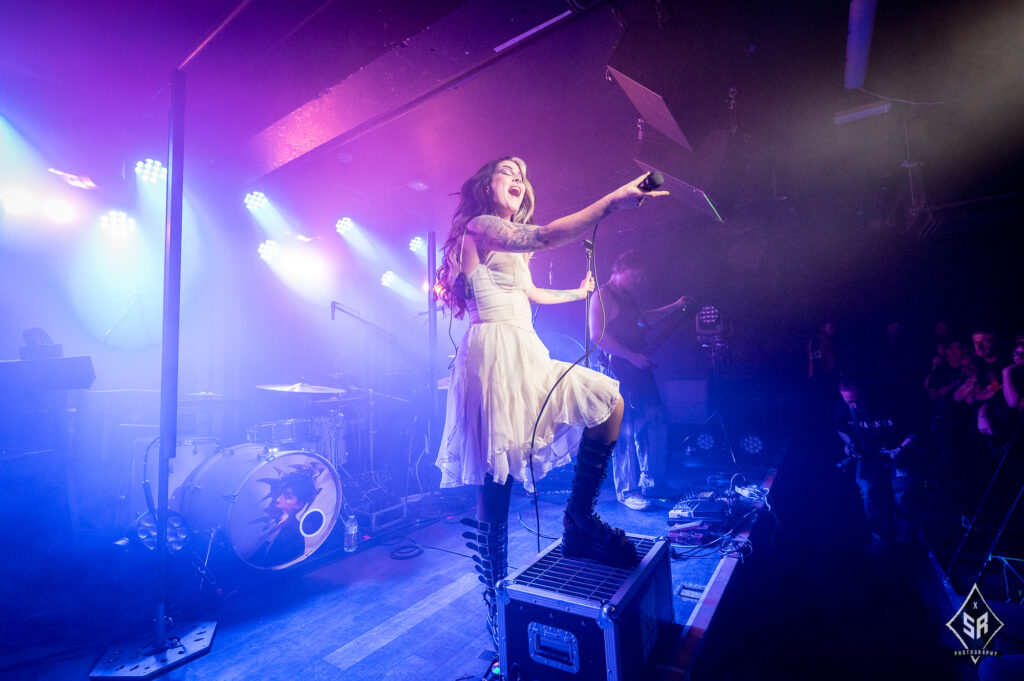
751 444
255 200
269 249
387 279
150 171
417 244
117 224
343 226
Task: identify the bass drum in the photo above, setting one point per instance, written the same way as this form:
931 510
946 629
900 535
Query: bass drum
273 508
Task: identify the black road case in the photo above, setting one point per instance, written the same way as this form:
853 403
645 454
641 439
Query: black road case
566 619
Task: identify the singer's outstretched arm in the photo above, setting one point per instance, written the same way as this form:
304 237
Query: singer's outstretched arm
495 234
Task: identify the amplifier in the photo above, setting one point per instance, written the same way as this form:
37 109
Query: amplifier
562 619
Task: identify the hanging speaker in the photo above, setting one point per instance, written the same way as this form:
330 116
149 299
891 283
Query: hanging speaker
676 75
669 73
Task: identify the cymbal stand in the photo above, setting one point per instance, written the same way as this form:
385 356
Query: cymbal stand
373 423
371 366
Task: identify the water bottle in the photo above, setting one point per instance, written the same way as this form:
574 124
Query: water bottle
351 534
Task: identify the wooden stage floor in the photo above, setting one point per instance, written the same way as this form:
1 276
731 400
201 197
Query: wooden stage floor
360 616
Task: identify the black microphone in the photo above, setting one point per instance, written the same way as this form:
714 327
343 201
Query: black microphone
651 182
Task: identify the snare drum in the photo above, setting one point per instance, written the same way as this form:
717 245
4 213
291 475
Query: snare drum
324 435
283 432
274 508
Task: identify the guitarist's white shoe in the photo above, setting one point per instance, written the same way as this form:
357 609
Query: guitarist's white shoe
634 502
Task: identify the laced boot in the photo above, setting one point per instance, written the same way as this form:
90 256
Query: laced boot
489 541
584 534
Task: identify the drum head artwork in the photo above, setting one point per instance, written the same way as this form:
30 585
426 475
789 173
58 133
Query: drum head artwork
275 508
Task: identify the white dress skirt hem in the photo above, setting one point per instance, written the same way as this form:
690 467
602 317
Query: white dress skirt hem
501 377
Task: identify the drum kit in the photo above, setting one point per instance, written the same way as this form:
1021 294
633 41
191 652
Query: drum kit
275 498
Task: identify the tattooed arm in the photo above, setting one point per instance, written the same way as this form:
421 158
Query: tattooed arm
495 234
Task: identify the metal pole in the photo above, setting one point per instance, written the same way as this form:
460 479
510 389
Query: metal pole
171 326
432 331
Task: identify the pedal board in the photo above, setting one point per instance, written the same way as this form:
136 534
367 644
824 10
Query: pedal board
707 510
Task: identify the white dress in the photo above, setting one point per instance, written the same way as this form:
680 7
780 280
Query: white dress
501 375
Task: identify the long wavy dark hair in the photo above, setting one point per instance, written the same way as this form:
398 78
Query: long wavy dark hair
474 200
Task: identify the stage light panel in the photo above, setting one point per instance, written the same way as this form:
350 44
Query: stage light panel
269 250
343 226
255 200
150 171
706 441
117 224
751 444
417 245
387 279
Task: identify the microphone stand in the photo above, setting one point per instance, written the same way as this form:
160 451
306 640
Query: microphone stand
588 246
132 300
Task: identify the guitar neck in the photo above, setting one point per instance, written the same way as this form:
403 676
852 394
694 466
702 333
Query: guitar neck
663 329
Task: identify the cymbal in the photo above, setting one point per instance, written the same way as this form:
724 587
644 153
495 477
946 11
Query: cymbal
302 388
203 400
360 395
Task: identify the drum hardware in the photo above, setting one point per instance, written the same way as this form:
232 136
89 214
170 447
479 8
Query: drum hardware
144 531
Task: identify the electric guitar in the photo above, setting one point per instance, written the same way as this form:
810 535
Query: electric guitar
623 370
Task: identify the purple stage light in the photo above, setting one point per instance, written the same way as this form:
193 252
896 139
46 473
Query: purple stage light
255 200
387 279
269 250
150 171
417 244
343 226
117 224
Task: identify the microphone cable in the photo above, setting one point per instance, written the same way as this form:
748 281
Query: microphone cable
547 398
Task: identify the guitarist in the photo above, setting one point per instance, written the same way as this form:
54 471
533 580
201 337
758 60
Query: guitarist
638 463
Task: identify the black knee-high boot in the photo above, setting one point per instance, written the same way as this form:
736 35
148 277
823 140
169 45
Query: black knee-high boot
585 535
489 541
